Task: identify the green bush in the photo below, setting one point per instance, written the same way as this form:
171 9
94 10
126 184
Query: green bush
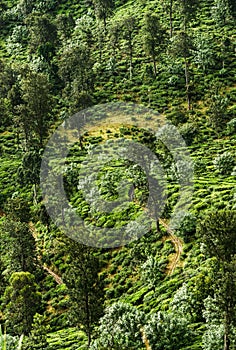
224 163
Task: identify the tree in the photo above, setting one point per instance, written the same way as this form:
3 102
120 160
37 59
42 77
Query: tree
9 342
217 232
75 70
84 286
29 171
181 47
129 26
151 272
120 328
34 113
218 105
114 32
21 300
221 11
103 8
203 53
168 331
7 81
153 37
21 255
224 163
169 7
37 339
187 9
65 24
2 10
42 35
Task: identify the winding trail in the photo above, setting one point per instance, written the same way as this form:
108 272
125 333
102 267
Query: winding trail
145 340
57 278
178 244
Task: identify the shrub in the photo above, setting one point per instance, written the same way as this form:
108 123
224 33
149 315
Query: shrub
224 163
188 131
231 126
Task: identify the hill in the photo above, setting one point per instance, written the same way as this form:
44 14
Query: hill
117 174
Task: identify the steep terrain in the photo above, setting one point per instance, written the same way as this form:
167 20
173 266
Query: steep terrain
175 60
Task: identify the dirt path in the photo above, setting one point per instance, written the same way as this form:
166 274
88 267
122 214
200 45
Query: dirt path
145 340
178 248
57 278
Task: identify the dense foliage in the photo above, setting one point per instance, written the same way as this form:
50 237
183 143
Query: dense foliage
174 287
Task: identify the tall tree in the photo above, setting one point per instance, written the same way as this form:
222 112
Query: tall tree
35 112
187 10
181 47
103 8
75 70
169 7
43 35
84 286
129 26
222 10
218 107
218 233
21 255
153 37
21 300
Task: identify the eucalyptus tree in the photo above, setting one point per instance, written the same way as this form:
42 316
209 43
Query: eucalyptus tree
153 37
114 34
203 52
65 24
7 83
168 331
222 11
21 253
151 272
218 109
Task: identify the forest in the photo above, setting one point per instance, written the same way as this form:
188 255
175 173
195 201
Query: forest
117 175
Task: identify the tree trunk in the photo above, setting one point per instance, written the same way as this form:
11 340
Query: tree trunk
171 18
227 322
157 225
88 319
154 65
186 71
130 56
131 62
226 336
